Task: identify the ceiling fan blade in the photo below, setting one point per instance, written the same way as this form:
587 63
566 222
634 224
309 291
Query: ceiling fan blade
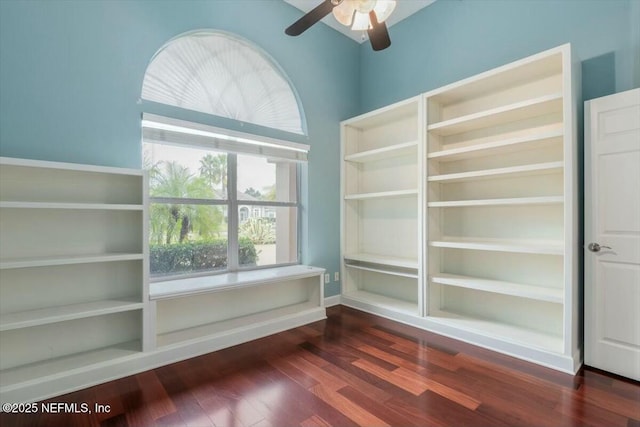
316 14
378 34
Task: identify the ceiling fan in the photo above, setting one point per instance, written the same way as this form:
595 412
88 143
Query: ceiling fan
361 15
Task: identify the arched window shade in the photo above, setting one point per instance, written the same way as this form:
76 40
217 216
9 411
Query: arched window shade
216 73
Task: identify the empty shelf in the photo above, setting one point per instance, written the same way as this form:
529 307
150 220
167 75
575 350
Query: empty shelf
500 115
397 150
382 301
226 327
500 146
506 288
66 260
546 200
61 366
547 247
383 260
383 271
505 331
382 195
70 206
535 169
44 316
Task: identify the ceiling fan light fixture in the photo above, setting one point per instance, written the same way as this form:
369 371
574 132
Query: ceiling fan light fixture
361 22
359 15
344 12
365 6
384 8
355 13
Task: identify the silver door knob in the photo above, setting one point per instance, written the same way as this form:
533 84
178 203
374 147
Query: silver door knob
595 247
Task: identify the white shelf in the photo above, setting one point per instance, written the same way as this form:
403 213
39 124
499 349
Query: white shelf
224 282
80 206
495 329
547 200
67 260
506 288
62 366
513 171
48 315
385 115
544 247
382 260
398 150
384 302
382 195
500 115
44 164
382 271
498 147
227 327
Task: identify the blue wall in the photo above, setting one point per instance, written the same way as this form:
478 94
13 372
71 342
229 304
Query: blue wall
454 39
71 74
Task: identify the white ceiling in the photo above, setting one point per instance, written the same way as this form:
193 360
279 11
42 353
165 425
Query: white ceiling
404 8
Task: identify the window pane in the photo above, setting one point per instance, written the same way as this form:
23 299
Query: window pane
260 178
267 235
187 238
185 172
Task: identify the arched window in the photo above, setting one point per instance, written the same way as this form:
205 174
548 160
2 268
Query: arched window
192 199
221 74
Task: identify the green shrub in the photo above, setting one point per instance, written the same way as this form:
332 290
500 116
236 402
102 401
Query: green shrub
261 231
190 257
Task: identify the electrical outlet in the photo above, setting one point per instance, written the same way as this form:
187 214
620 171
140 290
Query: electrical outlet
336 276
327 278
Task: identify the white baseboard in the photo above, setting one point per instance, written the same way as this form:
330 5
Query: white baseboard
331 301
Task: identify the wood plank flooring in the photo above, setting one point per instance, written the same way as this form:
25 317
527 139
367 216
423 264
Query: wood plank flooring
353 369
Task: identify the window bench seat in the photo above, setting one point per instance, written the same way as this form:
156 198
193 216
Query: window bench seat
202 314
224 282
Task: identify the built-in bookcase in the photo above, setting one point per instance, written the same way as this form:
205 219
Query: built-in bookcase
501 212
495 160
72 267
76 306
381 209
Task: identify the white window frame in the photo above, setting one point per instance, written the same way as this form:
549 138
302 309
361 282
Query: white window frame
168 131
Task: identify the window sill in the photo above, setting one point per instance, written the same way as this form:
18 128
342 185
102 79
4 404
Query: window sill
224 282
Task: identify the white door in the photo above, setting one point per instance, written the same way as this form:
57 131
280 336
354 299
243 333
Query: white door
612 233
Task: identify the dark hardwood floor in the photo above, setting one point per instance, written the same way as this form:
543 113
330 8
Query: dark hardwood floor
353 369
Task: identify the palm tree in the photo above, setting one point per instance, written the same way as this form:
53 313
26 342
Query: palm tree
174 221
214 170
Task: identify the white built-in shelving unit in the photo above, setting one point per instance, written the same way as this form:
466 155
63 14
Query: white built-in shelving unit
496 206
501 208
72 268
382 209
76 305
